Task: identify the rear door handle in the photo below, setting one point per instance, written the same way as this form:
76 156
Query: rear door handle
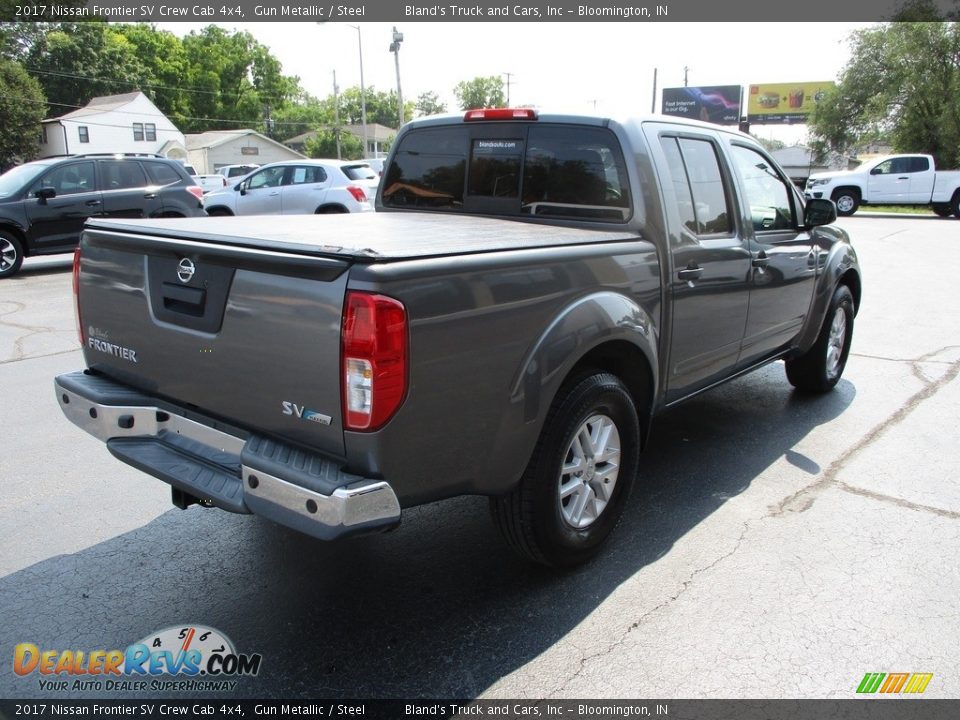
150 196
691 272
93 203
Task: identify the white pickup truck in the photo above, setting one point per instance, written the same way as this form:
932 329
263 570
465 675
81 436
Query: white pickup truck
891 180
208 183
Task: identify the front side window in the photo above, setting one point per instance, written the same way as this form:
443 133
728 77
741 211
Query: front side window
68 179
767 193
138 132
84 134
271 177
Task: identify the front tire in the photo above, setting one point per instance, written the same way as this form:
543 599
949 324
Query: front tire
819 369
575 488
847 201
955 204
942 209
11 255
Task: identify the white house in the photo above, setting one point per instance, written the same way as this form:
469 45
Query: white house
210 151
379 138
127 123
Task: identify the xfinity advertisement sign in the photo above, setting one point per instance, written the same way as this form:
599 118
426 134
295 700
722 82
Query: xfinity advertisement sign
714 103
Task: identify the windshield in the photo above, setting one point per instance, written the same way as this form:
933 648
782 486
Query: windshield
359 172
13 181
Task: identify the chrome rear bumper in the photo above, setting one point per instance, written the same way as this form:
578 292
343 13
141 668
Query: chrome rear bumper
225 467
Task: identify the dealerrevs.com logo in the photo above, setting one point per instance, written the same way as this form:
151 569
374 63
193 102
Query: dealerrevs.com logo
894 683
180 657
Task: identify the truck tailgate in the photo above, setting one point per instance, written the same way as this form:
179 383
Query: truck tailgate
199 324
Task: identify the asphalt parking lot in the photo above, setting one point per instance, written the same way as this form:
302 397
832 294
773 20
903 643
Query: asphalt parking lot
777 546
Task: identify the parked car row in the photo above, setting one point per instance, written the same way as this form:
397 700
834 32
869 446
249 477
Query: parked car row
44 204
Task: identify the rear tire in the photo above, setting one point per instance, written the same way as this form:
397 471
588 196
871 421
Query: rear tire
574 490
847 201
331 210
11 255
819 369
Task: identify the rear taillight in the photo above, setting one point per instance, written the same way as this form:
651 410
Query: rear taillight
373 360
76 295
501 114
196 191
358 194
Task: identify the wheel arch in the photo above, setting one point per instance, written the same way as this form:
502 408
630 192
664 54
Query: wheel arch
18 233
602 332
331 208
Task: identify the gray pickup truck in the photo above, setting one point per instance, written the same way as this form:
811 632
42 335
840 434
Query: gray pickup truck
532 291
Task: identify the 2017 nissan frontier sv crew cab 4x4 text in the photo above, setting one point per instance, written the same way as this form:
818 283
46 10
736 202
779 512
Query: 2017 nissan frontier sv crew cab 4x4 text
532 292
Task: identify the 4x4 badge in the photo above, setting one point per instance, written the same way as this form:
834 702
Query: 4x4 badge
185 270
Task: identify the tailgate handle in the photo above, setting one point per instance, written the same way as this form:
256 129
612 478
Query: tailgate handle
185 300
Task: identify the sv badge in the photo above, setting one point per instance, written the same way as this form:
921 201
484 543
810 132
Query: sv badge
290 408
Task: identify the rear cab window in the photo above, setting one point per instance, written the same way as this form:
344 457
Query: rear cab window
511 169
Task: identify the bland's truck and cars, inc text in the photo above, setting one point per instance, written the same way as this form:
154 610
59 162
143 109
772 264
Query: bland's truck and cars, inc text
532 291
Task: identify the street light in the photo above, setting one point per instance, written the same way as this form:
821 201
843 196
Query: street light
395 49
363 90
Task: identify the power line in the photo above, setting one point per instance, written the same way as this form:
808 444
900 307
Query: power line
144 115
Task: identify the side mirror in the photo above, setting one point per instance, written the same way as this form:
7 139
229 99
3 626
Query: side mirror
242 187
44 194
819 211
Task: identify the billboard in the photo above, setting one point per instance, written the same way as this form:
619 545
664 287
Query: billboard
784 102
715 103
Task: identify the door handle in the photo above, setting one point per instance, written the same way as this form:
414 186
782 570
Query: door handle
150 196
691 272
903 178
275 192
93 203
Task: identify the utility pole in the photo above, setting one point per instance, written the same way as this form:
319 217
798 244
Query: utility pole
336 113
653 100
509 75
395 49
686 70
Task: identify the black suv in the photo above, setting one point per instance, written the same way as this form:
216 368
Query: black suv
43 204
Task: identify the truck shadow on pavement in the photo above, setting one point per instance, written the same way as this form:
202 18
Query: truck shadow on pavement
438 608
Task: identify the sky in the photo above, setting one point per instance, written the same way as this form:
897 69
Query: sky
588 67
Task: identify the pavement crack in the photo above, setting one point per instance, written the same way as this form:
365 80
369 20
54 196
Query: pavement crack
804 498
684 586
19 351
899 502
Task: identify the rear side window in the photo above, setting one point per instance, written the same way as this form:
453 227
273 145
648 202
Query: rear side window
548 171
711 213
161 174
305 175
122 175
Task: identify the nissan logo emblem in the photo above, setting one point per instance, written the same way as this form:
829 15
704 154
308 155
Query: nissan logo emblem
185 270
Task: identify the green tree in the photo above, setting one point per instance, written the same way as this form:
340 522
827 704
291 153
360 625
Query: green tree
324 145
22 107
481 92
302 116
902 85
429 104
74 62
381 107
